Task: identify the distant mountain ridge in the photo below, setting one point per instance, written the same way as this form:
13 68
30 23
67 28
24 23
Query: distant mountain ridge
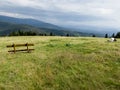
10 24
6 28
31 22
48 27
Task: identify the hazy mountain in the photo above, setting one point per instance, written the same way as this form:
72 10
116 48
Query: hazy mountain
100 31
31 22
8 24
6 28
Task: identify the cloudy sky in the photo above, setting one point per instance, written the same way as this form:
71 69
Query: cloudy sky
74 13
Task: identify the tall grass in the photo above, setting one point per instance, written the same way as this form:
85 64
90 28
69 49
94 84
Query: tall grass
60 63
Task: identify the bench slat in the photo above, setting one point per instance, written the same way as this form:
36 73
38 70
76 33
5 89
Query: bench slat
21 50
17 45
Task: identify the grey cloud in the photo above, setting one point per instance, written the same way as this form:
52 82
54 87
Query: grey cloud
62 16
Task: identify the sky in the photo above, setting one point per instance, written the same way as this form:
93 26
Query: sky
66 13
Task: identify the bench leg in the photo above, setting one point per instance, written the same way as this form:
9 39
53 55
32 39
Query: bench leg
27 48
14 48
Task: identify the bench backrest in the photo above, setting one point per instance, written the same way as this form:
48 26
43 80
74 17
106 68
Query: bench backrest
20 45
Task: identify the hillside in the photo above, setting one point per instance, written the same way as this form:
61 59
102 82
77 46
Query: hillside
60 63
6 28
31 22
47 27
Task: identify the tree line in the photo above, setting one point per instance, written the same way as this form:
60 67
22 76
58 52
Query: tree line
107 36
23 33
32 33
117 35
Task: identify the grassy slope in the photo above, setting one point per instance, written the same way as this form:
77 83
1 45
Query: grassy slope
61 63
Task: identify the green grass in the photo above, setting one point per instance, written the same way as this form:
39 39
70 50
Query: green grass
60 63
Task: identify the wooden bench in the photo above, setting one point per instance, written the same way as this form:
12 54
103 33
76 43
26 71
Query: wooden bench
20 45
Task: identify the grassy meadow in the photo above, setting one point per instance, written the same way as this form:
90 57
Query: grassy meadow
60 63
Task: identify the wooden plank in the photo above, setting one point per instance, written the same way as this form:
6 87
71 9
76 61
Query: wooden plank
27 48
14 48
21 50
18 45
